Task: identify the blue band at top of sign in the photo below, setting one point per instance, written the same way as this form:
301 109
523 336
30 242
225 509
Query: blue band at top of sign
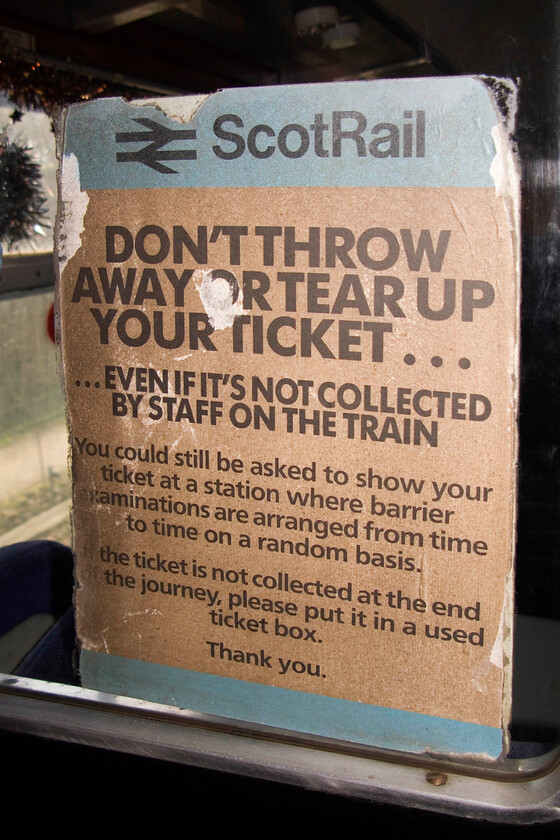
432 132
328 717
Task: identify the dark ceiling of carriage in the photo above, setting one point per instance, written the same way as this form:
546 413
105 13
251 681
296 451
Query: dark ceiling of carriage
168 46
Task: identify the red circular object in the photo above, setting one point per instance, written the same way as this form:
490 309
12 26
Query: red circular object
50 324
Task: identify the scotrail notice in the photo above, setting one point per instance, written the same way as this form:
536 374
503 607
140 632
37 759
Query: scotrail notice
289 331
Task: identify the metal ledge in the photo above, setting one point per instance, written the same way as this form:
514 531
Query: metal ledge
24 272
518 792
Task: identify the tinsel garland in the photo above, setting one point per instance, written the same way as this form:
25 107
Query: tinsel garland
22 200
33 84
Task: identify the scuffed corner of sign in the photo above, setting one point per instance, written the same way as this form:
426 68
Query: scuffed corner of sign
179 108
505 169
73 206
219 294
502 656
505 173
497 652
504 93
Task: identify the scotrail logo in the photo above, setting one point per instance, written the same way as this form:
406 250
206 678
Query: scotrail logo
341 134
157 135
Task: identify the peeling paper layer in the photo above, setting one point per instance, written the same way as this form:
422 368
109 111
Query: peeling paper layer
179 108
219 298
74 206
504 168
505 172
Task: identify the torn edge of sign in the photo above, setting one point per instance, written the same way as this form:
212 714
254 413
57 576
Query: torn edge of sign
182 109
505 168
65 246
505 171
503 649
69 227
73 204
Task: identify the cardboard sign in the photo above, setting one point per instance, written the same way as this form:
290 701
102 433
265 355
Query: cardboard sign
289 325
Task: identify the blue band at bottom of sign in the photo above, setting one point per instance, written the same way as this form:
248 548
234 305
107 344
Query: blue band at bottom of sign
314 714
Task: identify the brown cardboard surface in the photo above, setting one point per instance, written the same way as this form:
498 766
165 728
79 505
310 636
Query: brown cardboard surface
317 493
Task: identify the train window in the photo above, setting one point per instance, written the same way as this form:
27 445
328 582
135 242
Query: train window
520 785
34 497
